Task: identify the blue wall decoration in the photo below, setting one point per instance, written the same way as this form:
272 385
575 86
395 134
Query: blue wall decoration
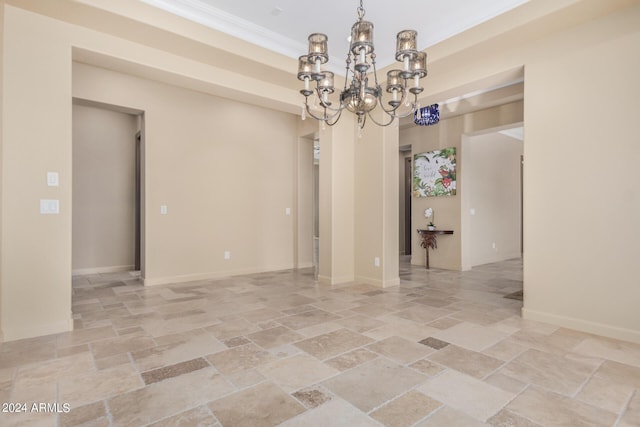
426 116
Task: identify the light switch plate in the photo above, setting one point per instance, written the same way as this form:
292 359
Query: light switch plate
52 179
163 209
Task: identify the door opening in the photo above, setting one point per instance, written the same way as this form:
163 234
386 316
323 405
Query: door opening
407 206
138 196
107 189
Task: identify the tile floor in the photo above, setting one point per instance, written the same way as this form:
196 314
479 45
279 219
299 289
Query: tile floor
445 348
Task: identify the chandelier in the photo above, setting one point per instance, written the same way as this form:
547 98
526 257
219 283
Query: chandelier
360 95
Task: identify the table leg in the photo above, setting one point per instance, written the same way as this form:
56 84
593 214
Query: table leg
426 250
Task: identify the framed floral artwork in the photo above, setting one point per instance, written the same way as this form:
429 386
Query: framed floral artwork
434 173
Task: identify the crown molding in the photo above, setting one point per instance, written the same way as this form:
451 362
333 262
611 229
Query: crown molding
212 17
217 19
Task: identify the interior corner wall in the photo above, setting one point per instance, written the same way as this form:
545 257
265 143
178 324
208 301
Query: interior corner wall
581 175
448 209
104 159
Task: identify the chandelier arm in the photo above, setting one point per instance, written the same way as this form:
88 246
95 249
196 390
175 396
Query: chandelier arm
408 113
337 117
324 117
402 115
381 124
403 99
327 106
392 111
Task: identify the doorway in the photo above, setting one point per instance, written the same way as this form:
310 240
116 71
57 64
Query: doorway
407 206
492 202
107 189
406 174
138 201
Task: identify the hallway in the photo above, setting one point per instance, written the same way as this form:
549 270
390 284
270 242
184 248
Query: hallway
443 348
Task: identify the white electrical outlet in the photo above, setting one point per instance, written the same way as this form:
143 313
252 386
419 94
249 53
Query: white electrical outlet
163 209
376 261
227 255
493 245
287 211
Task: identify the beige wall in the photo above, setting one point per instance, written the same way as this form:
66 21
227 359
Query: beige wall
492 171
336 209
225 171
448 209
581 170
1 145
103 190
376 205
305 217
36 249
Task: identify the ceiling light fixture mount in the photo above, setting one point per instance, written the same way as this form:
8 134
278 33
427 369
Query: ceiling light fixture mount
360 95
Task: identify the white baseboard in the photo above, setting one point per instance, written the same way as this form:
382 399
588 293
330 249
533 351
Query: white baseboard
102 270
155 281
326 280
305 265
32 331
377 282
583 325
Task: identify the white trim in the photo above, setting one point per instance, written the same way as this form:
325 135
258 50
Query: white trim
220 20
47 328
435 38
304 265
156 281
217 19
377 282
327 280
582 325
102 270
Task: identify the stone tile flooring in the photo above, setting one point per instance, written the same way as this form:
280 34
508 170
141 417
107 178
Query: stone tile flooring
445 348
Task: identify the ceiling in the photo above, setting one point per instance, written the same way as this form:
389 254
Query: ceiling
284 25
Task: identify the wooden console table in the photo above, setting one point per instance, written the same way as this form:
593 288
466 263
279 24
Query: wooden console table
429 240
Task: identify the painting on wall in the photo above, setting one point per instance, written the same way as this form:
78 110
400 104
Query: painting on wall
434 173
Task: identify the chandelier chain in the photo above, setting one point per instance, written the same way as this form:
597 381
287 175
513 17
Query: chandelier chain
361 11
